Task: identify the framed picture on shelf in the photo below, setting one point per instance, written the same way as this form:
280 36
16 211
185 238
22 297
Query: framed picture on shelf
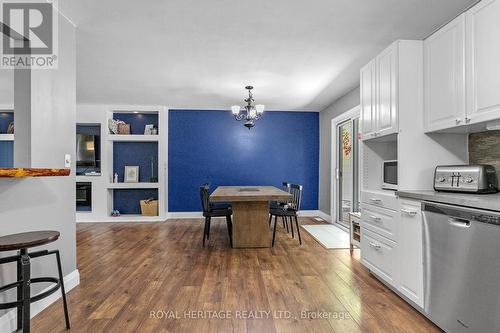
131 174
148 129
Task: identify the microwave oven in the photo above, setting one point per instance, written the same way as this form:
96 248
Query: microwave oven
390 175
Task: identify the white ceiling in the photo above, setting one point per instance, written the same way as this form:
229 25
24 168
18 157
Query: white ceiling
299 55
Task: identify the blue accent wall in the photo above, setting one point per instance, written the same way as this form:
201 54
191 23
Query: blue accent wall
6 147
5 119
135 153
6 154
127 201
137 121
211 147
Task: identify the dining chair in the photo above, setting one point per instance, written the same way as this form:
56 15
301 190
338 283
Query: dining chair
278 204
215 210
289 210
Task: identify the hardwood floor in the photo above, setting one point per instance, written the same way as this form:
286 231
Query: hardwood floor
130 273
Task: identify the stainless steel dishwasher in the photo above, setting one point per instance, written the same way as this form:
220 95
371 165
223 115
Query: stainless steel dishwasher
462 268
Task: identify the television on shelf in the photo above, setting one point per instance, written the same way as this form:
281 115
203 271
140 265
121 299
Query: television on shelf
85 150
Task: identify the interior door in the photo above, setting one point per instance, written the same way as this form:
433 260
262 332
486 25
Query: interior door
347 170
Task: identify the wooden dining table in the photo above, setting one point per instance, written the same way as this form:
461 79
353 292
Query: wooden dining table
250 212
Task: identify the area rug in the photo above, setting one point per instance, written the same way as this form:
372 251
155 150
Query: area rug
330 236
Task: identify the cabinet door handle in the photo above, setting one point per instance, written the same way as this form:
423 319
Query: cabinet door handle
373 217
468 119
375 200
409 212
375 246
458 121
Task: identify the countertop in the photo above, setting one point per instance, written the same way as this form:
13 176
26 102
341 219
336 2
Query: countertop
479 201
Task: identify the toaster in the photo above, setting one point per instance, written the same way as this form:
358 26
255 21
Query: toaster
466 178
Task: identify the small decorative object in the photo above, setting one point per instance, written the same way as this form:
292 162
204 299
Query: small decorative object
250 112
149 207
118 127
154 131
115 213
148 129
131 174
115 178
153 179
124 129
10 129
346 142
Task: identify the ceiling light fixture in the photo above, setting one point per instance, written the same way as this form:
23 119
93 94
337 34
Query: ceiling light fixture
250 112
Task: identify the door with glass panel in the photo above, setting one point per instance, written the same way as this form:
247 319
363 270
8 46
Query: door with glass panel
347 170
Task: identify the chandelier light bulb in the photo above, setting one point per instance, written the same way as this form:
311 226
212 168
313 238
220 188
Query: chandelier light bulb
260 108
235 109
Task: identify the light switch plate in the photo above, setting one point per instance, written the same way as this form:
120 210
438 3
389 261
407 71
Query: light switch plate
67 160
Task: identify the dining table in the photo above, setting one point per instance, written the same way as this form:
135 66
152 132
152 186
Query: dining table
250 205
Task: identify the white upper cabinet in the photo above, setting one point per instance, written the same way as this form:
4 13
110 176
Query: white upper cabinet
367 87
378 83
444 77
483 61
386 64
462 70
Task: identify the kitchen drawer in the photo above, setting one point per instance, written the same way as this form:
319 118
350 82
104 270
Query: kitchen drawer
379 255
380 220
380 199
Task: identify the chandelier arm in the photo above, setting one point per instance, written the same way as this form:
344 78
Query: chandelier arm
240 116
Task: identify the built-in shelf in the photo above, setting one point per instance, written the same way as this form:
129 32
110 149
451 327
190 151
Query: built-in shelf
6 137
133 138
132 185
32 172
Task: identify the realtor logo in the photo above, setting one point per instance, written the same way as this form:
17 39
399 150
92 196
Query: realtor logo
31 40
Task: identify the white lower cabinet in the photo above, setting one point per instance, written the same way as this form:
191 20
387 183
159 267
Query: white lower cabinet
410 252
379 255
395 253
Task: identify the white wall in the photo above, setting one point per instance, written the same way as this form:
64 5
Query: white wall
46 203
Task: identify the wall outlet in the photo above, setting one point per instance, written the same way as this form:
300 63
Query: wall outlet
67 160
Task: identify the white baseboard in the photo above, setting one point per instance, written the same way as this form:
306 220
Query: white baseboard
184 215
8 322
198 215
325 216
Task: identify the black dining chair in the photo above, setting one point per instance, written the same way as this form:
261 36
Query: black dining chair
214 210
290 211
280 204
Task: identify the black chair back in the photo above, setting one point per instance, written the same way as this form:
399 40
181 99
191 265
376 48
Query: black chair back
296 192
205 197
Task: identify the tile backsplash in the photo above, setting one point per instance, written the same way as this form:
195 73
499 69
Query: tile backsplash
484 148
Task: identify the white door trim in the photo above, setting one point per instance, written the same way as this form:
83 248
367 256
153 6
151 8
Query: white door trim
352 113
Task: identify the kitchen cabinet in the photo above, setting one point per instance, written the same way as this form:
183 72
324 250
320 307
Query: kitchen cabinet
483 61
462 70
367 90
379 88
386 69
379 255
410 263
444 77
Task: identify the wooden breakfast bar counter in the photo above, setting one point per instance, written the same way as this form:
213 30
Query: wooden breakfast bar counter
250 212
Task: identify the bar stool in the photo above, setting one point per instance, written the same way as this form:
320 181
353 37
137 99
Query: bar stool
21 242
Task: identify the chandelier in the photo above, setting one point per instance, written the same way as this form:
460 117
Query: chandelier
250 112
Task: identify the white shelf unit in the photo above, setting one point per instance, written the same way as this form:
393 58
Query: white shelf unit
103 188
161 139
133 185
6 137
133 137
